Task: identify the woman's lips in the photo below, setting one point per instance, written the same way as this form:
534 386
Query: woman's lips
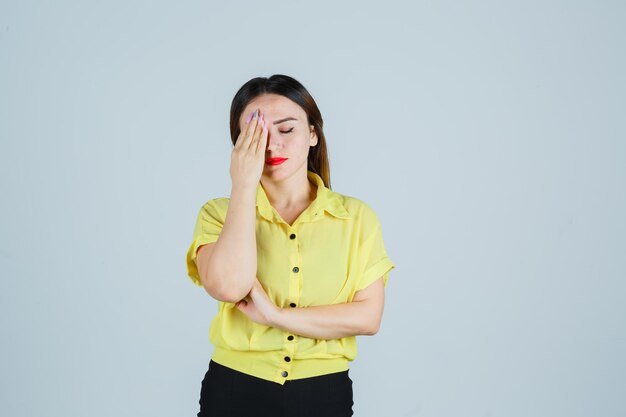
275 161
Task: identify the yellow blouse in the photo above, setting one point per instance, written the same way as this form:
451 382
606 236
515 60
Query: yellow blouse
333 249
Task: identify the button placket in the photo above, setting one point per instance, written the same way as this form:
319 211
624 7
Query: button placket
290 349
293 300
295 281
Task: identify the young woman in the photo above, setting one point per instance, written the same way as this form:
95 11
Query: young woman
298 270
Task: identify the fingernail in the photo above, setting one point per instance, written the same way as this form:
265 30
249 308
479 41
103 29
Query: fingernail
249 118
256 114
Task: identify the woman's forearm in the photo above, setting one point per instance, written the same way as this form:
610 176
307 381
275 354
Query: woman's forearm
233 263
332 321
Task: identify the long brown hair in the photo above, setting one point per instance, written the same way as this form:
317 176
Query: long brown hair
292 89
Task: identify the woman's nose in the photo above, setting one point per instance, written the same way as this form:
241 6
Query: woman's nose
273 142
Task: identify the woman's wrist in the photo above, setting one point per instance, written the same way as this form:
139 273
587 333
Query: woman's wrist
278 318
243 192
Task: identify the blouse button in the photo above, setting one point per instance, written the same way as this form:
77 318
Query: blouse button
292 236
284 374
287 359
295 269
290 337
292 304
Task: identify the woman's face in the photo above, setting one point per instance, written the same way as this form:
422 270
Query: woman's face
288 134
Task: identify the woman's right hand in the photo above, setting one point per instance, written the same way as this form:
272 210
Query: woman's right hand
248 156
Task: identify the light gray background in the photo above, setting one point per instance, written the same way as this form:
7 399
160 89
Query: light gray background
487 135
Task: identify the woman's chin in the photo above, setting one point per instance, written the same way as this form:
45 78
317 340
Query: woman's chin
275 173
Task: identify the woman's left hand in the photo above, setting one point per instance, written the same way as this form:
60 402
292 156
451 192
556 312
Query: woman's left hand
258 306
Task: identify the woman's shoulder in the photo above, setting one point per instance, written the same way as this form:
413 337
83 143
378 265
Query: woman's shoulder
216 207
218 202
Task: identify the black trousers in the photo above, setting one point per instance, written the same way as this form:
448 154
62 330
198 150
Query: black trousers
229 393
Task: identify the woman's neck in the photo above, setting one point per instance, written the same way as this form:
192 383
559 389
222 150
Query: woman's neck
295 191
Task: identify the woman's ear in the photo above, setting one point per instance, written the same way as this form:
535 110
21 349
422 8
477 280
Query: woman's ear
313 137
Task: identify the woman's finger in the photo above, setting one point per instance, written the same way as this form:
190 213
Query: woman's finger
258 128
245 136
261 144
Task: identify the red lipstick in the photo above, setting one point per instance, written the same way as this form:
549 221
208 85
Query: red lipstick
275 161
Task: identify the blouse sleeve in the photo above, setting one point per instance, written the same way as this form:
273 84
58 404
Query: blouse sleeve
373 254
208 226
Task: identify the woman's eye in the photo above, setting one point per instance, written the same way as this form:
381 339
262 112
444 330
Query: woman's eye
286 131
